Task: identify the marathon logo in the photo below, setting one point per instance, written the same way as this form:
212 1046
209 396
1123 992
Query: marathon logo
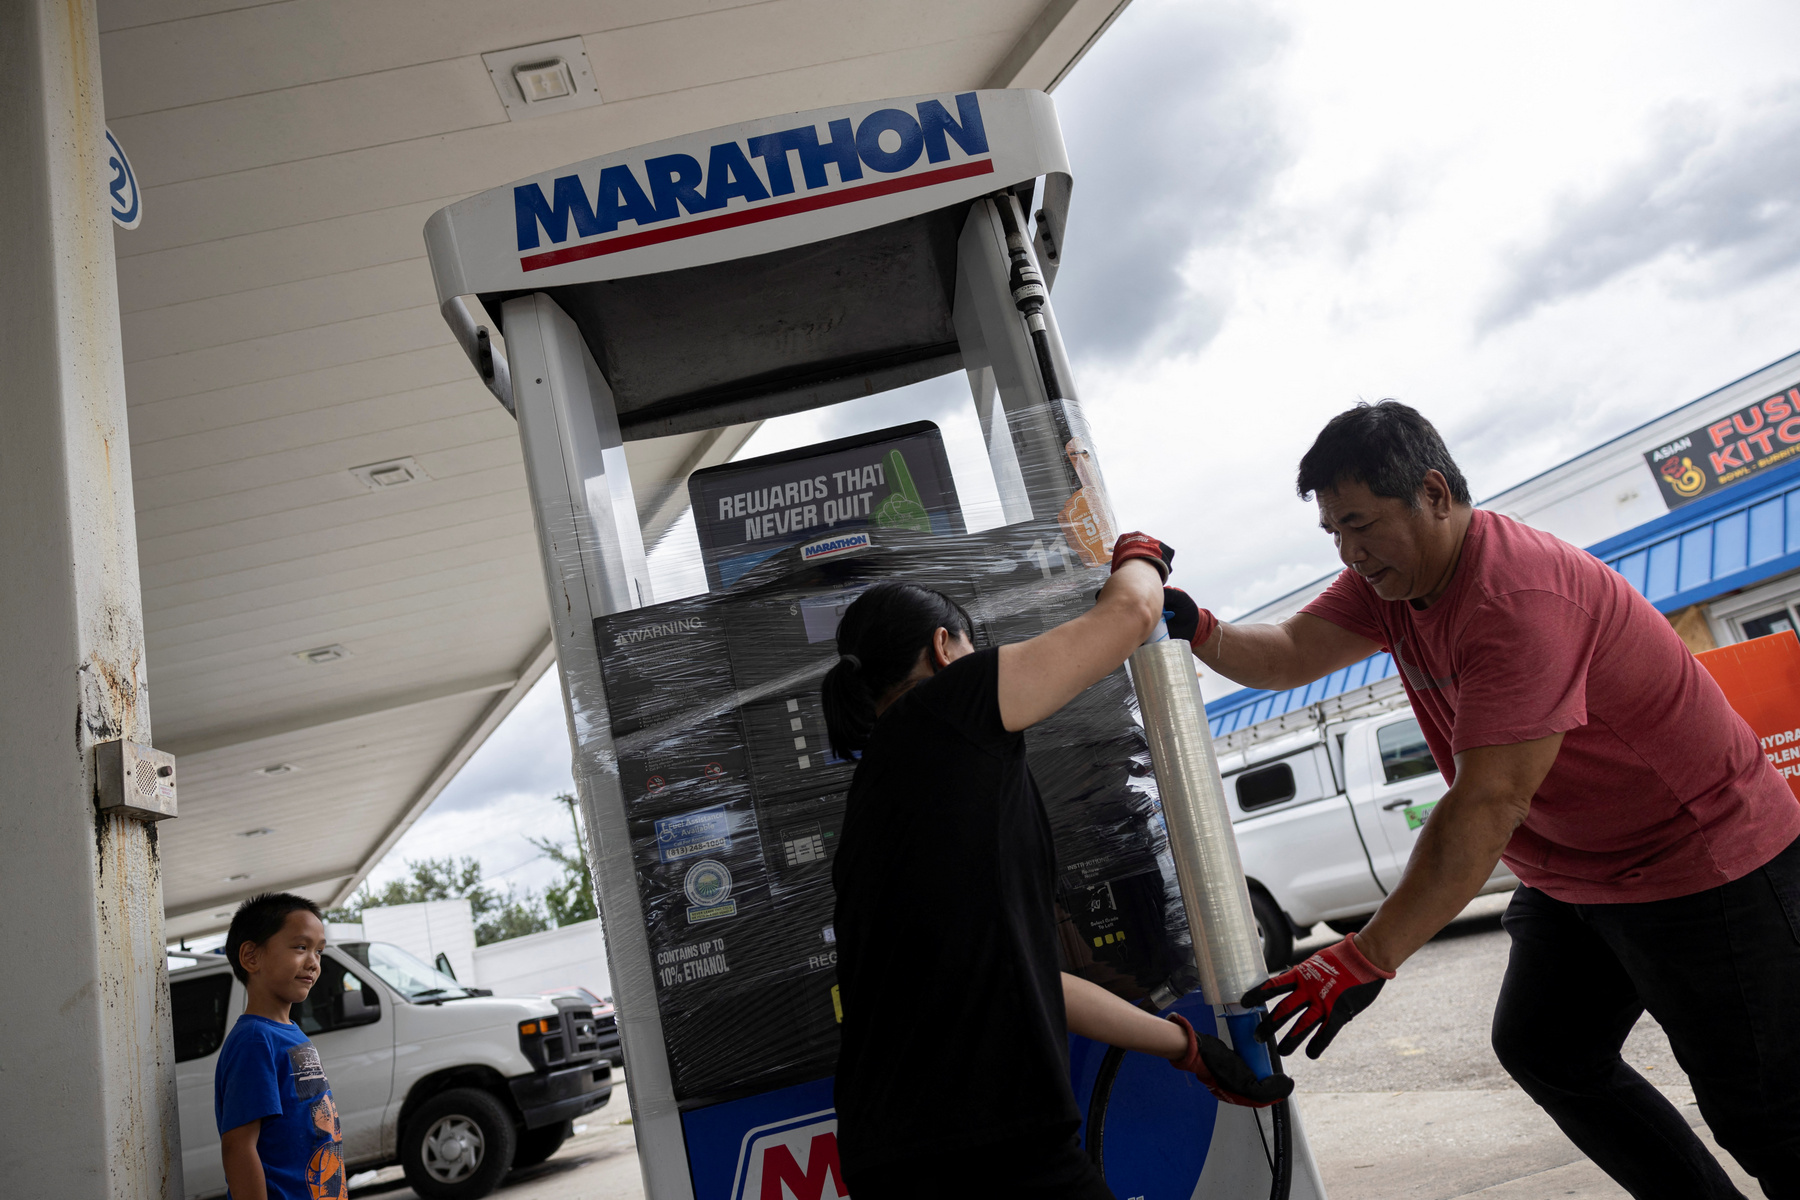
832 547
889 141
632 637
796 1160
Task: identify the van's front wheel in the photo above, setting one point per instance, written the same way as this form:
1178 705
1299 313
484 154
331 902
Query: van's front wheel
535 1145
1273 928
458 1146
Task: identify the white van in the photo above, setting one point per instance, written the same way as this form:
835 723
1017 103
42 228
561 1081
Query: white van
1326 803
455 1086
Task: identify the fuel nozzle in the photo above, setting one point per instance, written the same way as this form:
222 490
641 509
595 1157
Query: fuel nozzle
1242 1023
1026 282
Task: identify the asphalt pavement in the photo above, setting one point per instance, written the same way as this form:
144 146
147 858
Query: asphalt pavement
1409 1102
598 1163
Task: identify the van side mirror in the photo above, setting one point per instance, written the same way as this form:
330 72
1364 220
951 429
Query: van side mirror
358 1006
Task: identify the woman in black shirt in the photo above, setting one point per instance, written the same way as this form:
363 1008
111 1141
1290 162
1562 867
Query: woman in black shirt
953 1073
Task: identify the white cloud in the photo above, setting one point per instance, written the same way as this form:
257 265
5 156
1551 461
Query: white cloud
1283 208
500 798
1721 198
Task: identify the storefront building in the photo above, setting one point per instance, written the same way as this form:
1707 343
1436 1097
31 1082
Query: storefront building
1699 509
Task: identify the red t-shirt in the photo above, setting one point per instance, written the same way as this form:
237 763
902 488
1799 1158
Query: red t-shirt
1660 788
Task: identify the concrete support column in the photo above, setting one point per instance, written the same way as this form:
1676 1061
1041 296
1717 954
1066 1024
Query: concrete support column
87 1085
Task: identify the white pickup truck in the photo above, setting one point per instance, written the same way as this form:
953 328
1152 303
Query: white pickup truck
1327 802
457 1087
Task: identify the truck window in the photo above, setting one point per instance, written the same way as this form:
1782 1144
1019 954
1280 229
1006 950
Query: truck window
404 973
1269 785
324 1008
1404 754
198 1008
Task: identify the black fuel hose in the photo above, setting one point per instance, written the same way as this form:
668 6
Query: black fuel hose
1281 1153
1281 1161
1031 297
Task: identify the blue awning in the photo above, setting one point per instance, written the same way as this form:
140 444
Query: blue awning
1736 537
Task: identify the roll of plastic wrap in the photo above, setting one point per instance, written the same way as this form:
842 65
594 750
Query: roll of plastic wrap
1227 951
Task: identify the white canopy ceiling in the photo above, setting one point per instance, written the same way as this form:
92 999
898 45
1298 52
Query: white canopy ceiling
280 329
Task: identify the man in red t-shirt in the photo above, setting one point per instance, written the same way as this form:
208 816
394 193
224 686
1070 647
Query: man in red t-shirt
1659 851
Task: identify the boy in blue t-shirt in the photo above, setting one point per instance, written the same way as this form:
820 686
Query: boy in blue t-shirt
278 1127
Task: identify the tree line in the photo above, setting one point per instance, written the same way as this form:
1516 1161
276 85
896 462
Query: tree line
499 915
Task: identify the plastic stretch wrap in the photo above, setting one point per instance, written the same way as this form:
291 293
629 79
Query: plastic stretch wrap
1199 821
734 802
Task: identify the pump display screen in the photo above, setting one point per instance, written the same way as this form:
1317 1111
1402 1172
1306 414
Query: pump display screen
745 512
735 802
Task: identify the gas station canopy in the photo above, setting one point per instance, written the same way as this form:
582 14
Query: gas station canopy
341 591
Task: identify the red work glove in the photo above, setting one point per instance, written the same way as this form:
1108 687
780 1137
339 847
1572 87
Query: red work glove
1225 1074
1142 545
1327 990
1187 620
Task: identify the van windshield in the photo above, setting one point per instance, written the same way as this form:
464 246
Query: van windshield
404 973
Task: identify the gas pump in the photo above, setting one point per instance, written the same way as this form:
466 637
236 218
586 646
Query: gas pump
762 269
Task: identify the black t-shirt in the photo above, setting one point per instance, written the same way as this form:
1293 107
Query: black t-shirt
954 1032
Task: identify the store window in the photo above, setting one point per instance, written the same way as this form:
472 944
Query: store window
1773 607
1762 625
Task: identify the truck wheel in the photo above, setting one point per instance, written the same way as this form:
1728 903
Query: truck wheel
1272 927
458 1146
535 1145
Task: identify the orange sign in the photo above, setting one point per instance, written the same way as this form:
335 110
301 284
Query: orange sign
1761 679
1086 518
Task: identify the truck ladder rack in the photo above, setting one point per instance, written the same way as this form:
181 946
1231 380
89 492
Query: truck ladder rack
1384 695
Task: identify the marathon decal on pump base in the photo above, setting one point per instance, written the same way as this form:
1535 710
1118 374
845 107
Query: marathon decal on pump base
746 512
779 1144
1729 450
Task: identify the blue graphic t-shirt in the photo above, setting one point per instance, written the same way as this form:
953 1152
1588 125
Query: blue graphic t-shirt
268 1071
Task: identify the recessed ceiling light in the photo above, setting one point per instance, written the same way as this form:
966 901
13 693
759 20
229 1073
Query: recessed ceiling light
395 472
540 81
276 769
236 878
265 831
322 654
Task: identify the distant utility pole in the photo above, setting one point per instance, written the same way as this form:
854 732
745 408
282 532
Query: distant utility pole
567 799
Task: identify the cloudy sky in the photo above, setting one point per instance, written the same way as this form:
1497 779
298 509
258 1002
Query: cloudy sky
1540 223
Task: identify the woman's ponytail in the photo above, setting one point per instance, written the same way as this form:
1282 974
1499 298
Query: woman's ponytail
849 706
879 641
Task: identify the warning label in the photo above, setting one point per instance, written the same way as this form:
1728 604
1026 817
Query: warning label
702 832
687 964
